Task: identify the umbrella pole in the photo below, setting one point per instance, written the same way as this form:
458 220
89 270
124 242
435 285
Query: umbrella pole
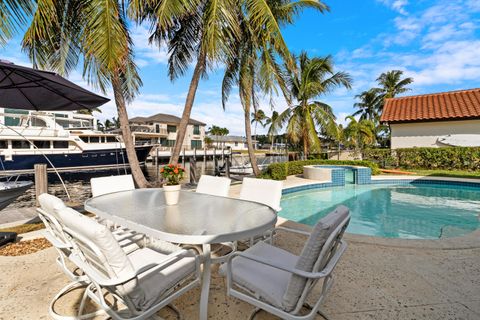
44 155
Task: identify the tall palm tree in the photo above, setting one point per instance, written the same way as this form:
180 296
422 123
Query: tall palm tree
205 32
360 133
258 116
311 78
369 105
14 15
63 32
273 128
392 84
254 67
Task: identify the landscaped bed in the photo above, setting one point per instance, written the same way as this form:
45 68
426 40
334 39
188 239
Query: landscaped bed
24 247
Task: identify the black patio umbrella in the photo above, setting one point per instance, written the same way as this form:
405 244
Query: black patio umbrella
31 89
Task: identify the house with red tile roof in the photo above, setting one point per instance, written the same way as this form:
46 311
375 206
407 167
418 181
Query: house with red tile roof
434 120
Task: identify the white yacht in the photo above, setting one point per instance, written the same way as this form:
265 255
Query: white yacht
69 141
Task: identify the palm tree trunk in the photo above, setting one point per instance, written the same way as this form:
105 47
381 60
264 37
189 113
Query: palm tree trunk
127 134
187 110
255 135
248 133
305 146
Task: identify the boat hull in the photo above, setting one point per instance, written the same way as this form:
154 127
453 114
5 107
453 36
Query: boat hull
91 159
9 191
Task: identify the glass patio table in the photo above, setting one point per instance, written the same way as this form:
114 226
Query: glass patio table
196 219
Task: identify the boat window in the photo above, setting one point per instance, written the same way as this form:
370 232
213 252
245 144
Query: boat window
42 144
84 139
60 144
111 139
3 144
94 139
20 144
35 122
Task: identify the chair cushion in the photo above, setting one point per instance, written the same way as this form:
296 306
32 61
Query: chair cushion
310 254
51 204
162 246
217 186
155 284
267 282
104 185
264 191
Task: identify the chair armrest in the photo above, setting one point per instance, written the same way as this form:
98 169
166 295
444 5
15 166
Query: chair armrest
275 264
103 281
302 232
54 241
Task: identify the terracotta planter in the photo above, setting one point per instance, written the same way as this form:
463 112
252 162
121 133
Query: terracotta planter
172 193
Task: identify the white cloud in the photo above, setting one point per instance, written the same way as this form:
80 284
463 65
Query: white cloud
396 5
145 52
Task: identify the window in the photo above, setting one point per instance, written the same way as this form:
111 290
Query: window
60 144
171 128
20 144
111 139
13 121
196 144
35 122
84 139
94 139
236 144
42 144
157 128
196 129
170 143
3 144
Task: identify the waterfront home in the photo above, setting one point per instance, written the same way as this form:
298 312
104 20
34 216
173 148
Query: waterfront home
434 120
162 128
237 143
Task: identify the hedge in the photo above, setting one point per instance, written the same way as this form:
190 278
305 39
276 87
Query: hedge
280 171
451 158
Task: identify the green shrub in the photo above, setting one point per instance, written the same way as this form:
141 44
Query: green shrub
385 158
280 171
452 158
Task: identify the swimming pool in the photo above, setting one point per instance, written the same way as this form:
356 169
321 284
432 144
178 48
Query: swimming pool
409 211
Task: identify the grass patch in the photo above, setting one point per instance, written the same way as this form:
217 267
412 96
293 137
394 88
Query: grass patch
444 173
24 228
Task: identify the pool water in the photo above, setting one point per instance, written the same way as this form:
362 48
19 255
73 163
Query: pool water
420 211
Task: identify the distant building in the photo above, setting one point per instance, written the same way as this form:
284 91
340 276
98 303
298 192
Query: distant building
434 120
162 128
234 142
67 119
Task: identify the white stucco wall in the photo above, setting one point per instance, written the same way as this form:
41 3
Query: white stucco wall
426 134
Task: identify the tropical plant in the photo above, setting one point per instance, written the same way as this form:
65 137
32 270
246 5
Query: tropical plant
64 32
273 128
310 79
13 16
258 117
369 106
218 131
208 33
172 174
89 111
392 84
254 67
360 133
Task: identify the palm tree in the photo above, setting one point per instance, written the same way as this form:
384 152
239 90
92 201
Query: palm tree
360 133
311 78
13 16
258 117
369 106
254 67
392 84
273 127
205 32
64 32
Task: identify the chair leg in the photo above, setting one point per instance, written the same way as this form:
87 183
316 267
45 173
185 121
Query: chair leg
69 287
254 313
319 312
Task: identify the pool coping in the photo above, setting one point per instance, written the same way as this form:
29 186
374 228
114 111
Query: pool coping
468 241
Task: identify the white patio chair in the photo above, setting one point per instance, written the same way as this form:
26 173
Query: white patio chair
104 185
142 282
217 186
264 191
280 282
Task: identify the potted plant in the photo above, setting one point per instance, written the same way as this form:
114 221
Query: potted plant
172 175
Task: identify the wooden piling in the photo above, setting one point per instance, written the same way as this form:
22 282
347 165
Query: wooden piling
41 180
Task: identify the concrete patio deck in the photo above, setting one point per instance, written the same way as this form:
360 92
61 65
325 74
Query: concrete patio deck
376 279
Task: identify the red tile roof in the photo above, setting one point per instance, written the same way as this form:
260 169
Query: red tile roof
444 106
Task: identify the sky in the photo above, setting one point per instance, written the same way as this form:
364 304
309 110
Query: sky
437 42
